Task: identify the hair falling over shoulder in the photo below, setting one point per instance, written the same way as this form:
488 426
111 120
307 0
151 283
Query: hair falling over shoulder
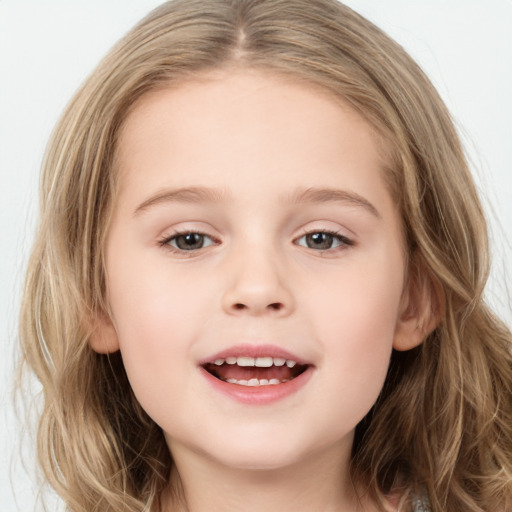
443 423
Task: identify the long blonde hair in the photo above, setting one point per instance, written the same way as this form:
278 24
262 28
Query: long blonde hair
443 422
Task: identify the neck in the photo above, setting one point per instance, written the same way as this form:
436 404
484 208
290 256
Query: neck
323 484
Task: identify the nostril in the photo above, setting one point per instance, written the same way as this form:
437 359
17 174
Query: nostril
275 306
256 307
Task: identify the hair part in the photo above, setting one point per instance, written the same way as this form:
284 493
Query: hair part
443 422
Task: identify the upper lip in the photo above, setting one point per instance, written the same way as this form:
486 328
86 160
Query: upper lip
249 350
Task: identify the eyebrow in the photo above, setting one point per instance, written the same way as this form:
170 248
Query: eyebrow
332 195
196 195
182 195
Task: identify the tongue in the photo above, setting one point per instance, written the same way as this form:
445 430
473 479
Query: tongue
233 371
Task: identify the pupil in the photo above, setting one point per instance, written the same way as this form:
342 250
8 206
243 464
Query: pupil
190 241
319 240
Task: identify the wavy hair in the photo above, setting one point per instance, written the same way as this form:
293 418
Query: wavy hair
443 422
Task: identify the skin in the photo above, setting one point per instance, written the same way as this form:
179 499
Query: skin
256 139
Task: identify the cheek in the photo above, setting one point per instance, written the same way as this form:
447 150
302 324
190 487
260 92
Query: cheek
360 302
152 300
355 321
156 317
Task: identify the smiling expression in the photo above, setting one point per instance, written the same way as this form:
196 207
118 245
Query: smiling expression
255 268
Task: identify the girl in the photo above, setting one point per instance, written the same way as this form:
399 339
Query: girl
258 278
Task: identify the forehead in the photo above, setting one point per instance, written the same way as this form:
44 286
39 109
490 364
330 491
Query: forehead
243 123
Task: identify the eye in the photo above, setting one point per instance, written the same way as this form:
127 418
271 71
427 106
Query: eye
189 241
323 240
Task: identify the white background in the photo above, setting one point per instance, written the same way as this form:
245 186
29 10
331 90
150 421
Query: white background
48 47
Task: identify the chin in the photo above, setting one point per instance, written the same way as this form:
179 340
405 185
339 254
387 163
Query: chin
249 460
262 452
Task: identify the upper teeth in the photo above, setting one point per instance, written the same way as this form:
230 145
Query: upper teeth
262 362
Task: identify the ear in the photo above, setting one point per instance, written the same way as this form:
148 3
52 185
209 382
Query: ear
103 338
421 308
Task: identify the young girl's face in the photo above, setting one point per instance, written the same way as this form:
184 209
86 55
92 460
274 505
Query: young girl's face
253 227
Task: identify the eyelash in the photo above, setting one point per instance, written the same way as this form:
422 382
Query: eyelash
344 241
165 242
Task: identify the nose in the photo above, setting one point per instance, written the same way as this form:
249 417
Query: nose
256 285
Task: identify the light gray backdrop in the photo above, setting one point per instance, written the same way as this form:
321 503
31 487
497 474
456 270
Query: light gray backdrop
47 48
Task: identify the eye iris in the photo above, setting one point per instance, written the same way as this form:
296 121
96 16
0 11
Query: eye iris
319 240
190 241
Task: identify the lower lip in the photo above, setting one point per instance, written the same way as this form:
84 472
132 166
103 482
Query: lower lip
258 395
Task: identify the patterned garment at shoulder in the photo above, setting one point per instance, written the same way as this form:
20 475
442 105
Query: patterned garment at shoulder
421 504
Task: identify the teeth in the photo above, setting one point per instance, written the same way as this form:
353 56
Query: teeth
264 362
245 361
257 382
260 362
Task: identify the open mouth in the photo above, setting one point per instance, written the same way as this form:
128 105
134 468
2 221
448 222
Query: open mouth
255 371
